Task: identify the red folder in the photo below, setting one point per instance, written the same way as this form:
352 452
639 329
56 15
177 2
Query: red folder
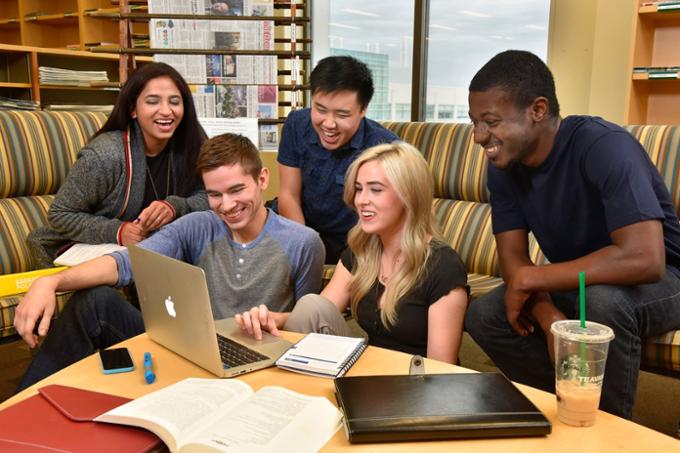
59 419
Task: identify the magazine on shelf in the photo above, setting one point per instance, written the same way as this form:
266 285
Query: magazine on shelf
227 415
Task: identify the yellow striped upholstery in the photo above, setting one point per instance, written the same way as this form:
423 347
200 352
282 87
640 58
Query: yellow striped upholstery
662 353
663 146
38 148
36 152
458 165
18 216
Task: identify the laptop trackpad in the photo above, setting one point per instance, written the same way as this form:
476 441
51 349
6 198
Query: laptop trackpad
228 328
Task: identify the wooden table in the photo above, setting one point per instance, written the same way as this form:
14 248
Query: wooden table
610 433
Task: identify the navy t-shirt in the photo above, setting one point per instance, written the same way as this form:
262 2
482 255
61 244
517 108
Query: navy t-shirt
323 171
596 179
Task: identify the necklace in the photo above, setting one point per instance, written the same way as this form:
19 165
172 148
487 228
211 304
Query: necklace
167 180
384 277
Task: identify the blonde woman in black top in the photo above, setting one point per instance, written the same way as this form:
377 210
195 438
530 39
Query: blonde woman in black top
406 288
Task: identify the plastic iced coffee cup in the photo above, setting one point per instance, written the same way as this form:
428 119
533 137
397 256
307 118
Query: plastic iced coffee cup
580 358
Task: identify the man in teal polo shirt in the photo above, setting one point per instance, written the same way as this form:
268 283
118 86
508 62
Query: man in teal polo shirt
319 143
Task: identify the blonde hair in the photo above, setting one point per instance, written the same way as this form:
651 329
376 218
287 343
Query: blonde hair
410 177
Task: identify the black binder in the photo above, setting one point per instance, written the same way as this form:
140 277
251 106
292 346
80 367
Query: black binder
437 406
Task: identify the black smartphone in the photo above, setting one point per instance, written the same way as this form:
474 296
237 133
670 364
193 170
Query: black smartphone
116 360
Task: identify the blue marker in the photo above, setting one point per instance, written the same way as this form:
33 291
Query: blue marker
149 375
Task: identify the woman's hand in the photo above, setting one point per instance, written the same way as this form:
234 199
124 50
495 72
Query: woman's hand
154 216
257 319
132 233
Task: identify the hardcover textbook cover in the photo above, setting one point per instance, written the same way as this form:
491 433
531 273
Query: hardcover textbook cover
438 406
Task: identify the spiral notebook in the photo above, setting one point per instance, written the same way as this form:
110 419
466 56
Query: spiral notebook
322 355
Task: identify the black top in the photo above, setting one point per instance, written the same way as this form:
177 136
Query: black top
157 167
444 271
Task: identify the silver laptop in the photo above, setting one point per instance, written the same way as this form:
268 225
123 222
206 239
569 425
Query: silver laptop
175 304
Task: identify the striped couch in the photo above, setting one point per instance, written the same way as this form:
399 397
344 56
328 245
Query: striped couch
463 211
36 152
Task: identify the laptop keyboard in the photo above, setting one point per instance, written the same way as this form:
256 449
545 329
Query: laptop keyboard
235 354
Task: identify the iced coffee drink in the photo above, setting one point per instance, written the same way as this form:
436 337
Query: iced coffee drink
577 404
580 358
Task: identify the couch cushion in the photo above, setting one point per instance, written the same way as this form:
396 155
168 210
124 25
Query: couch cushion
18 216
466 226
457 163
662 354
662 143
38 148
482 284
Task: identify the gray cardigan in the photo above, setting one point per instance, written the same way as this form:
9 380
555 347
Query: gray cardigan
91 204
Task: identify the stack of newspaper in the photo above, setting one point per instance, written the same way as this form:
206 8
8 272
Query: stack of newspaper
17 104
59 76
225 84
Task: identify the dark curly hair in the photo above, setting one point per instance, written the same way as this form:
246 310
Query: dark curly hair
522 75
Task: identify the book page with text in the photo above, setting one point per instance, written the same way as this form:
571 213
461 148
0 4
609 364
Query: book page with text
274 419
181 409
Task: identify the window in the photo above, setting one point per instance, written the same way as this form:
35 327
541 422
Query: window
379 33
402 112
464 35
446 112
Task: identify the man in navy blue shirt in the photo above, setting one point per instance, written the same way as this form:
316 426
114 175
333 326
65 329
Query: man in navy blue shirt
319 143
596 203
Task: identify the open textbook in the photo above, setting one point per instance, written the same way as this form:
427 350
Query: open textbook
214 415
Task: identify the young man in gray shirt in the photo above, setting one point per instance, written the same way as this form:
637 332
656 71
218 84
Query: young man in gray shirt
249 254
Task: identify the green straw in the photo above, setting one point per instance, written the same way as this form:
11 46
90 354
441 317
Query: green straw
582 298
582 315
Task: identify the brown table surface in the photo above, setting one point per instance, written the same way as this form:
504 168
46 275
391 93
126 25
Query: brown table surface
609 434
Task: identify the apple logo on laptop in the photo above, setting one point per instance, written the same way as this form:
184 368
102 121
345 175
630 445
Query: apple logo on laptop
170 307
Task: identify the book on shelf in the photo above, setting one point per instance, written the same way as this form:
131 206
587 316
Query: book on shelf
322 355
102 45
227 415
79 253
668 6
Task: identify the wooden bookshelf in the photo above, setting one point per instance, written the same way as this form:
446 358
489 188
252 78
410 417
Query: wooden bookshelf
59 33
654 98
19 77
54 23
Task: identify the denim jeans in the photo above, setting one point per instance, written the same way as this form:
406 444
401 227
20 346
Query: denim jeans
92 319
633 313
